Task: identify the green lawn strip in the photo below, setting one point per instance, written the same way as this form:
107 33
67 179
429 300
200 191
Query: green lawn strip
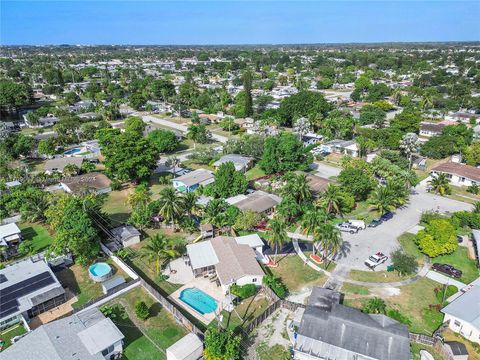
8 334
407 241
36 233
295 274
355 289
460 260
377 276
254 173
277 352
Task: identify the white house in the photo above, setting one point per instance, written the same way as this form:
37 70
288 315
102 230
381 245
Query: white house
87 335
463 313
231 260
10 238
431 129
458 174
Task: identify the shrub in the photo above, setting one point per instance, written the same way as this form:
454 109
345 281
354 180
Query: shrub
115 184
276 285
244 291
375 306
403 263
141 310
397 315
438 238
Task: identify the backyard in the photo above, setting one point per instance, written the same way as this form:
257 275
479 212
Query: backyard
8 334
76 278
145 339
38 235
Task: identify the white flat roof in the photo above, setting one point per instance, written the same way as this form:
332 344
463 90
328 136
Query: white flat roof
252 240
202 254
9 229
186 346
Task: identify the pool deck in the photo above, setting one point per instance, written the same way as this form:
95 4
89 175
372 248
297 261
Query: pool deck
207 287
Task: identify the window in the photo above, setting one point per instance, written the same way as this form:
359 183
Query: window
254 280
108 350
457 323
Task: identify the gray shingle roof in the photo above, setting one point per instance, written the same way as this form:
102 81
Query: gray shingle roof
331 330
466 307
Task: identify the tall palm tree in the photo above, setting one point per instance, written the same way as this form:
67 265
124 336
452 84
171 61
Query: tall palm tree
170 204
278 235
190 203
160 249
440 184
173 162
332 199
383 200
313 219
302 189
330 239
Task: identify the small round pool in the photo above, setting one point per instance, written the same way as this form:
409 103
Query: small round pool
100 271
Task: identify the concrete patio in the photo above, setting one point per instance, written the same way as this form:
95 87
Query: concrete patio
178 272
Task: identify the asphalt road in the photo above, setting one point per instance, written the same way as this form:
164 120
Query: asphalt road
383 238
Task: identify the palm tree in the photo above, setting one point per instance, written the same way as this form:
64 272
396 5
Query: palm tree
190 203
302 189
332 199
313 219
278 235
383 200
173 162
440 184
160 249
330 239
170 204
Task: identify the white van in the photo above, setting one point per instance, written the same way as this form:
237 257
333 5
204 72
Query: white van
359 224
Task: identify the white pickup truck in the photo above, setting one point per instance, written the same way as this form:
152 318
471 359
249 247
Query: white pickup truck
374 260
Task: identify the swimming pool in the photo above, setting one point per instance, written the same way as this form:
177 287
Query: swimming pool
198 300
72 151
100 271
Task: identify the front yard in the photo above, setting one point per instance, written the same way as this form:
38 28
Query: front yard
145 338
377 276
460 260
296 275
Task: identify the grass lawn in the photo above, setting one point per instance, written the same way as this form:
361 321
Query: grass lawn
76 278
415 348
376 276
461 193
407 241
154 186
36 233
160 326
115 205
8 334
254 173
355 289
248 310
413 302
296 275
460 260
277 352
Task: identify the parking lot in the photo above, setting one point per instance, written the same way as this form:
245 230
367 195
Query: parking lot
383 238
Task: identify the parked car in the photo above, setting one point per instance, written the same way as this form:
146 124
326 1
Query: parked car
347 227
374 260
360 224
375 222
447 269
387 216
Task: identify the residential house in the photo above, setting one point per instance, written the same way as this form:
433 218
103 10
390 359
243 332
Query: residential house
463 117
192 180
330 330
343 147
431 129
463 313
58 164
10 238
87 335
241 163
458 174
232 261
27 288
317 184
94 182
311 139
41 122
258 201
127 235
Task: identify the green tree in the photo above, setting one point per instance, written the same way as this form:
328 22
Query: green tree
160 250
228 181
440 184
221 344
141 310
170 205
13 95
336 201
404 264
164 141
247 87
357 182
375 306
309 104
437 238
277 236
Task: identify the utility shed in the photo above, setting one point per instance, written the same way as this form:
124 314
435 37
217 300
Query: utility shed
112 284
190 347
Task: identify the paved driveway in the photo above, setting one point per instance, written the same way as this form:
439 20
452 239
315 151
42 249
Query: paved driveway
324 170
357 247
443 279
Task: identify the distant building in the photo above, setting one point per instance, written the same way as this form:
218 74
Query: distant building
58 164
127 235
259 201
27 288
343 147
87 335
241 163
430 129
330 330
94 182
192 180
458 174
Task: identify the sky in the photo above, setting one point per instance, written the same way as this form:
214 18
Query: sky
199 22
